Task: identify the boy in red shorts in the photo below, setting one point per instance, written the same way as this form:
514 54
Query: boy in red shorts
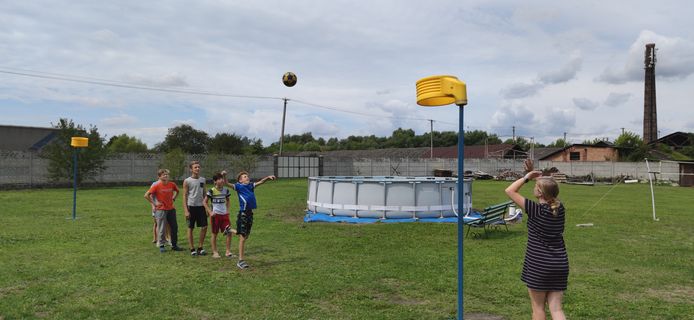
219 213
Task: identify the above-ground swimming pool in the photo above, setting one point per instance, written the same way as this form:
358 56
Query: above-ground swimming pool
386 197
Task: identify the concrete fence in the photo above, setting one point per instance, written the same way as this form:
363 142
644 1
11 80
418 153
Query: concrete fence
425 167
27 169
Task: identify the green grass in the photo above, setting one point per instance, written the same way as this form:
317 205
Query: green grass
104 266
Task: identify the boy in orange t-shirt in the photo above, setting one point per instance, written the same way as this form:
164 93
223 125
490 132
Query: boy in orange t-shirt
165 193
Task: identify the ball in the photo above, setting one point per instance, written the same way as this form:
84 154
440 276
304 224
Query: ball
289 79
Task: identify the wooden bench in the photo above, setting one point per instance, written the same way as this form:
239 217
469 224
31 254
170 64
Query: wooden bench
492 216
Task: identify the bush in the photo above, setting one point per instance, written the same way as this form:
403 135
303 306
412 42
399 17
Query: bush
90 160
175 161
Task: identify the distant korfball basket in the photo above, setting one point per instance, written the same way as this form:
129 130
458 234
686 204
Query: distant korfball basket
79 142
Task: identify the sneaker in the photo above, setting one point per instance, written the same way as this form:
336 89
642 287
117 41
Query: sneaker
176 248
162 249
230 255
193 252
216 255
242 264
201 251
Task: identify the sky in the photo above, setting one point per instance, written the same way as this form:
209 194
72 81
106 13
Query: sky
540 69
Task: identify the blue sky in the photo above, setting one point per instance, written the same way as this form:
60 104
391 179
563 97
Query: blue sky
542 67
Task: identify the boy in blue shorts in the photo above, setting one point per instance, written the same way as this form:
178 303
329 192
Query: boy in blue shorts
244 219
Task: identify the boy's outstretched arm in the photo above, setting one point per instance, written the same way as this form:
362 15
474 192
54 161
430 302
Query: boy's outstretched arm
229 184
263 180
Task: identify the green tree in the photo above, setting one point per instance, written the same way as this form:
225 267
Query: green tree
227 143
246 162
446 139
212 164
125 144
175 161
254 146
596 141
631 147
560 143
90 160
521 142
311 146
479 137
185 137
402 138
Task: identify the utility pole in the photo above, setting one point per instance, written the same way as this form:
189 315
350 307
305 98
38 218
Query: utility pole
284 115
622 130
564 139
514 134
431 136
532 148
486 148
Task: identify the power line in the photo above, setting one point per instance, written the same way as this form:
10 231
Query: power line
119 84
131 86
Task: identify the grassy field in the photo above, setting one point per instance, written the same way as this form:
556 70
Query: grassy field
104 266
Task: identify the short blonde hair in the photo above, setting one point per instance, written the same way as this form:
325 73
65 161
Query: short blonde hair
192 163
238 176
162 171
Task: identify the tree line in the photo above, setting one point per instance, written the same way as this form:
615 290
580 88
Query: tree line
184 139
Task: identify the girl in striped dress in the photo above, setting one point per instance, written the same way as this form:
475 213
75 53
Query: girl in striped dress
546 265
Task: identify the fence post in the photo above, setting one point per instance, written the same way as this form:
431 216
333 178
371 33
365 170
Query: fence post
31 169
275 164
132 166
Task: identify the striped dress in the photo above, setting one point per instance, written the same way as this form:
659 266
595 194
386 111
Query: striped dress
546 265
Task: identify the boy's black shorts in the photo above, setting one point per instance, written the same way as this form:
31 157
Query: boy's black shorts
244 222
197 216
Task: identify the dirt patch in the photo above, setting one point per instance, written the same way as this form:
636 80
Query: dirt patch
11 290
482 316
673 294
394 298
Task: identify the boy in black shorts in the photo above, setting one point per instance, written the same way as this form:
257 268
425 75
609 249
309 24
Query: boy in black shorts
193 192
244 220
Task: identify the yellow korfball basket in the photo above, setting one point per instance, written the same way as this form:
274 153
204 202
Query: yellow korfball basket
79 142
441 90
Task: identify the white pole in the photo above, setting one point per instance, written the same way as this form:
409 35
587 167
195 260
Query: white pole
650 180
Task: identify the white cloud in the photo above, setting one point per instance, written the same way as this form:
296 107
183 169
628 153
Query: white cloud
165 80
558 120
515 57
521 90
616 99
675 59
585 104
119 121
564 74
509 116
550 77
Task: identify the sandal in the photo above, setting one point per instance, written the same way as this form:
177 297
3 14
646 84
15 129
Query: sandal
242 264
